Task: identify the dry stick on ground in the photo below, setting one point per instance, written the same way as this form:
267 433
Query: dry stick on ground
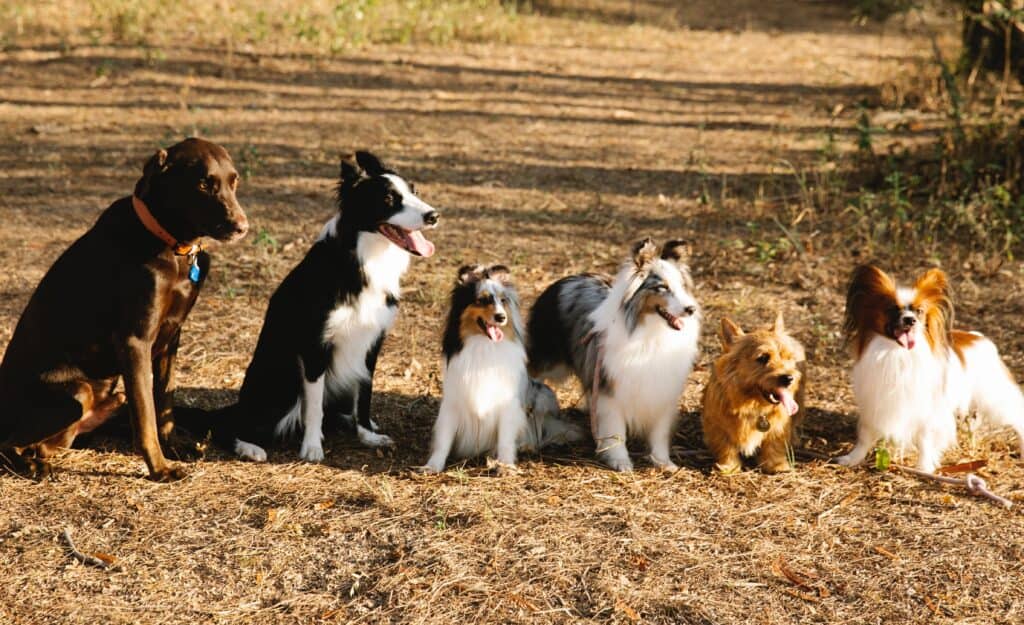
84 558
974 484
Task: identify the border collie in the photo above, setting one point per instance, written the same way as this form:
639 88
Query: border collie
631 342
913 375
490 404
325 323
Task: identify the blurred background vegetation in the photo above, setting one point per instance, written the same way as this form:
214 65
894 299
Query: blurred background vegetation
965 187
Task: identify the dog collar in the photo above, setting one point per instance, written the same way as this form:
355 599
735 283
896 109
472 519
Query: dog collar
154 227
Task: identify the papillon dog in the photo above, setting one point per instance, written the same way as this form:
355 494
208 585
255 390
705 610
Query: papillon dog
631 342
490 404
913 375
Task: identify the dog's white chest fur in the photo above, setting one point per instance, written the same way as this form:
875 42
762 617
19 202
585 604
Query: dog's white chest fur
901 392
648 369
353 327
483 383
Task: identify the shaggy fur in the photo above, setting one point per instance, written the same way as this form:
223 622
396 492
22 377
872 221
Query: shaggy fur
754 401
634 338
490 405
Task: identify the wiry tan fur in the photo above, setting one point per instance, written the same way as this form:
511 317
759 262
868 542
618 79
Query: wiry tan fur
734 398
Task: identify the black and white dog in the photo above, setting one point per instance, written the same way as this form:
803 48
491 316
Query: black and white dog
326 321
635 336
490 404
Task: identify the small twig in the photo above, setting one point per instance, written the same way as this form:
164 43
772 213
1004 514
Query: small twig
974 484
84 558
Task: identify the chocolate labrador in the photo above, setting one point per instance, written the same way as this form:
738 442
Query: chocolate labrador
112 306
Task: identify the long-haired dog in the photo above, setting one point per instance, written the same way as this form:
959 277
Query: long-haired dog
631 342
753 402
326 321
913 375
490 404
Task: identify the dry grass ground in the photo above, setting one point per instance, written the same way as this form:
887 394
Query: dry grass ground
550 154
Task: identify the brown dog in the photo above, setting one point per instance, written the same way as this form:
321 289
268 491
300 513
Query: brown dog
112 306
753 401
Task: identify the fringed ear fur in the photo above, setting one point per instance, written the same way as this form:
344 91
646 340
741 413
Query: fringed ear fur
644 252
469 274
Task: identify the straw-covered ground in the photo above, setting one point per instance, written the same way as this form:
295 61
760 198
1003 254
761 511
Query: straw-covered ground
550 153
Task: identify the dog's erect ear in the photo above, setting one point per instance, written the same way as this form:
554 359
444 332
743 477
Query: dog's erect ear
350 170
469 274
729 332
501 273
676 251
155 165
933 283
372 165
780 324
644 252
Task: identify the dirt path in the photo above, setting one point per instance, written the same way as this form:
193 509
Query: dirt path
551 156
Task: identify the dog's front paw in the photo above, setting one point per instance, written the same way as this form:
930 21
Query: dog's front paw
248 451
847 461
503 469
776 467
372 439
311 451
667 466
728 468
169 473
622 465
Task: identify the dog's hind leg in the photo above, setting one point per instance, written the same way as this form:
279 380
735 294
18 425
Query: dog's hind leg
363 403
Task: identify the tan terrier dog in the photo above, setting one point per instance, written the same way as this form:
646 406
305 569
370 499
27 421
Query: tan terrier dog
753 401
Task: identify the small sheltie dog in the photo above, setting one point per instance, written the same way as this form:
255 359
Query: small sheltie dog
631 342
753 402
913 375
490 404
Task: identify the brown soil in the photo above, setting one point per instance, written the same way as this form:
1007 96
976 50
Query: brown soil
550 155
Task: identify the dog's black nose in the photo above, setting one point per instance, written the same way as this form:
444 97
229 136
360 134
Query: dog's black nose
689 310
785 379
500 317
431 218
908 321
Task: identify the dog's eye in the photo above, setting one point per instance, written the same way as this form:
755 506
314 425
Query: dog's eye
763 359
661 288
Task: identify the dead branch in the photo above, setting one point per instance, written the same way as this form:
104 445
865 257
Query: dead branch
974 484
84 558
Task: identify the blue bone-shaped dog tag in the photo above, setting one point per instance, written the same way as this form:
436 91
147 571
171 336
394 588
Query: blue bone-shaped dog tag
193 270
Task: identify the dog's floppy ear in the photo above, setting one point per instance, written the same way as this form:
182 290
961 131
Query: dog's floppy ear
676 251
370 163
501 273
469 274
780 325
729 332
644 253
155 165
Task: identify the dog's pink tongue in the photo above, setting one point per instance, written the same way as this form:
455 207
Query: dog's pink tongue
677 323
419 243
786 398
494 333
906 340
